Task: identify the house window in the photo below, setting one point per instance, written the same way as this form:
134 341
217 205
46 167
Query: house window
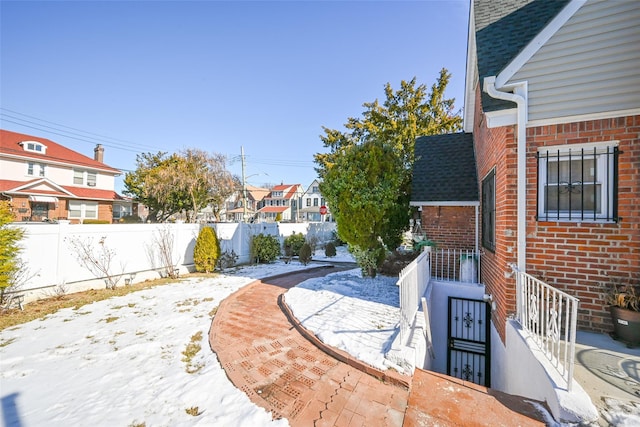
81 177
91 179
79 209
34 146
35 169
315 201
315 189
308 202
489 211
578 183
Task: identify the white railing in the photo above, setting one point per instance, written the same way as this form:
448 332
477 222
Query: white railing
413 281
460 265
550 317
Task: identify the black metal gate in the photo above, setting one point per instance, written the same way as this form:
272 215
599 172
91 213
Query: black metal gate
469 337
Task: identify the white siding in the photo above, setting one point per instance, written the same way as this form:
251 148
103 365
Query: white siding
590 66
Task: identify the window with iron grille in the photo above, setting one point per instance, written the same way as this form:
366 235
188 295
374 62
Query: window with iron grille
489 211
578 182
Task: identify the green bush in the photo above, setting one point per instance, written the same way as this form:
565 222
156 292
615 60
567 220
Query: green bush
9 247
96 221
206 251
330 249
368 259
305 254
292 244
264 248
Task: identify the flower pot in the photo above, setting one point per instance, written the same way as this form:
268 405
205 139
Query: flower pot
626 325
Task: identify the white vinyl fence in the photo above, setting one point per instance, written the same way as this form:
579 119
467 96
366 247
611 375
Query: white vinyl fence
52 260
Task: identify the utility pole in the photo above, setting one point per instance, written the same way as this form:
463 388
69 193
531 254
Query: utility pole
244 188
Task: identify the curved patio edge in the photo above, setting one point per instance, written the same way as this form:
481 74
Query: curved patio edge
390 377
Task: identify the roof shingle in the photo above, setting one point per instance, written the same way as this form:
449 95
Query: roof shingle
503 29
445 169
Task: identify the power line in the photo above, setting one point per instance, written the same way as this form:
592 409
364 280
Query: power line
107 140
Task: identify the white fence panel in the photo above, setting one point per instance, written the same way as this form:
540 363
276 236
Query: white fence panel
48 252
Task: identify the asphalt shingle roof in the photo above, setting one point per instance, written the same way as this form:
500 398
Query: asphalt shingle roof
445 169
503 29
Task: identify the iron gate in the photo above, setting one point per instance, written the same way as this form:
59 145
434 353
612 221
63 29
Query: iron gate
469 337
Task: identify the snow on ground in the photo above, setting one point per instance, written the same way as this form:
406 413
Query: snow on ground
120 361
355 314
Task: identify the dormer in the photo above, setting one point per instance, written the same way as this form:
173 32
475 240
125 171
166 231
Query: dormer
34 147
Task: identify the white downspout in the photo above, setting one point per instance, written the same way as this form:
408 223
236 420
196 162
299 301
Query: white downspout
517 92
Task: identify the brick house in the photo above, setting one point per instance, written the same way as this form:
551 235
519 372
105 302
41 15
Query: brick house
552 107
46 181
445 190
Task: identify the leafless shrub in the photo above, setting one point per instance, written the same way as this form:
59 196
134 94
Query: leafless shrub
97 258
163 242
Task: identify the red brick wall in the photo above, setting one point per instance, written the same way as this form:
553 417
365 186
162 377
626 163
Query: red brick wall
496 149
580 258
451 227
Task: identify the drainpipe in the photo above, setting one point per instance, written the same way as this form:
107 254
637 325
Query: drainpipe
517 92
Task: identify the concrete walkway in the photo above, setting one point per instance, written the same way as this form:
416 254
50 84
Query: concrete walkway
286 370
609 372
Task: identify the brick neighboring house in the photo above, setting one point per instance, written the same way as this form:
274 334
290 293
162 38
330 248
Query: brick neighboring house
47 181
552 105
283 200
445 190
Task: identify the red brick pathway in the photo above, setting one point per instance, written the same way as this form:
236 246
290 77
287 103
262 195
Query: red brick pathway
265 355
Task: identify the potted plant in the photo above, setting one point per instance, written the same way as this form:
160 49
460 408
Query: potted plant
624 307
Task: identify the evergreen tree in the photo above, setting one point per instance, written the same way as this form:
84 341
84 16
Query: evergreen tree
207 250
366 175
9 248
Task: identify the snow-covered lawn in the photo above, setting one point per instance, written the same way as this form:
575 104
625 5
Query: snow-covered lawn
120 362
355 314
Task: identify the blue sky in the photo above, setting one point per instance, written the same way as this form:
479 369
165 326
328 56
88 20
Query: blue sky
152 76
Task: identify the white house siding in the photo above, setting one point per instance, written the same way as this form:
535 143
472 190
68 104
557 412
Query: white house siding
16 169
12 169
590 66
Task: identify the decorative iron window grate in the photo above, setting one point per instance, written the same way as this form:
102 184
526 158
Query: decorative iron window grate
578 183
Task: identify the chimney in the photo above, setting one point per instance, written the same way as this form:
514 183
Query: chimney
98 153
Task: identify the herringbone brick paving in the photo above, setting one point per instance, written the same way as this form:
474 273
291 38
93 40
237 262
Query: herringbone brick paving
266 356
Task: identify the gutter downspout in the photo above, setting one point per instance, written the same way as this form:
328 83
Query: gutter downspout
517 92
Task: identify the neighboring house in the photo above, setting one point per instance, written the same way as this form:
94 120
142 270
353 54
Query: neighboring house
239 210
46 181
283 200
312 201
445 190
